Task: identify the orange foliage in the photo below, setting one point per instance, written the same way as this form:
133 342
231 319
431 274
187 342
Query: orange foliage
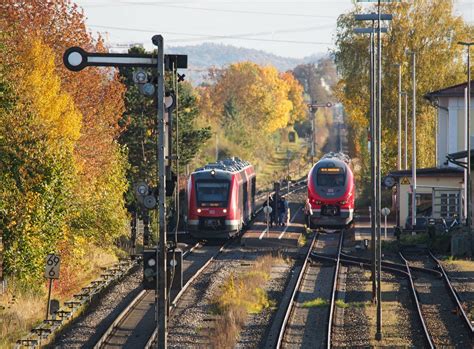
98 96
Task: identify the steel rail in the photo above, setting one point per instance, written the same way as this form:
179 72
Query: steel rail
293 294
363 264
173 304
334 291
427 335
453 294
119 319
129 308
152 339
399 266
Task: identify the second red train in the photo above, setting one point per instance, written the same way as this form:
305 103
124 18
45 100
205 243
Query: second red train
331 192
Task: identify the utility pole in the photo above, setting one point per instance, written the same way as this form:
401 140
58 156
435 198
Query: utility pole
468 141
468 137
313 116
313 108
378 125
161 287
374 154
373 162
399 154
405 164
413 169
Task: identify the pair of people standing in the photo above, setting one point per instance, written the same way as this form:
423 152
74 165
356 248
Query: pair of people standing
280 215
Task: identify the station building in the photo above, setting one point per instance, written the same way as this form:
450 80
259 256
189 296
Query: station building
441 189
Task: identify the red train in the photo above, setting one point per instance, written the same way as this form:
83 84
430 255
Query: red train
331 192
221 198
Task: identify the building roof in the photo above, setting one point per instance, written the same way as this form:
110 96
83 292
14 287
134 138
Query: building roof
430 172
458 158
451 91
459 155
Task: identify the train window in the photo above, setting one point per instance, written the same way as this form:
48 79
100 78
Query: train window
212 193
331 180
330 177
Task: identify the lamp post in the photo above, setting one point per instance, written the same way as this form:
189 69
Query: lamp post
377 138
413 159
373 154
405 160
468 136
399 154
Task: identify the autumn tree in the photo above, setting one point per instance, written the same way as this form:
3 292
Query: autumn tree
432 29
249 103
61 160
38 131
140 129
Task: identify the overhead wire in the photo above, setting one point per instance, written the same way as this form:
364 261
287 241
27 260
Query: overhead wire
185 6
211 37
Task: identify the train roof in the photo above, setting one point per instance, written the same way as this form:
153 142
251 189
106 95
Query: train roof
233 164
337 156
330 162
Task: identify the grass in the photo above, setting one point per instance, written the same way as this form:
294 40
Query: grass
240 295
315 303
342 304
277 166
22 308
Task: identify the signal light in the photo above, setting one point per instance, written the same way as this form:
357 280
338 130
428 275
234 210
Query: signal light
149 269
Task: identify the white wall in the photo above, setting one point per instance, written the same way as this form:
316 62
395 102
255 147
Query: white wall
403 189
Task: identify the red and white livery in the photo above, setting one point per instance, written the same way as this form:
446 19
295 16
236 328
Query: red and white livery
221 198
331 192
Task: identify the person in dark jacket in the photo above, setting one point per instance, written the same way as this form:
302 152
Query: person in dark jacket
281 211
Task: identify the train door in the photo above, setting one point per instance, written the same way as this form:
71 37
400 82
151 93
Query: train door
245 201
253 190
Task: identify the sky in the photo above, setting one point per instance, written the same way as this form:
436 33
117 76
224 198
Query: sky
286 28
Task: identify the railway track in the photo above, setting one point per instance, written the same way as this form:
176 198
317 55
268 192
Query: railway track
312 283
442 322
136 324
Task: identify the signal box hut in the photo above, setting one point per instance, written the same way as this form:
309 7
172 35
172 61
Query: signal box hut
441 189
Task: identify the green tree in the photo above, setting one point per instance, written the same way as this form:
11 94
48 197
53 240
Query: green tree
140 131
432 29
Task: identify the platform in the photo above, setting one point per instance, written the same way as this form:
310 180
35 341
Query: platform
259 235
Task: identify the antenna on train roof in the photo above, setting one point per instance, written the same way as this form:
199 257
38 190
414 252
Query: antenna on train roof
339 156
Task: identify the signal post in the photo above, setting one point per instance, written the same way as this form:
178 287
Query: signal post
76 59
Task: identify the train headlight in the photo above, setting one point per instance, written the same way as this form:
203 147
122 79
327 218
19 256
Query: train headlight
213 172
317 202
224 210
343 202
198 210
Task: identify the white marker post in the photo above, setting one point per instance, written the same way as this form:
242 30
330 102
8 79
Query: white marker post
385 213
51 272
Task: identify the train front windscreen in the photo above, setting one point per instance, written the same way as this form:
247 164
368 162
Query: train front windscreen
212 194
330 177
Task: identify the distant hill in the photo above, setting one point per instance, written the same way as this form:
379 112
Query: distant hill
207 55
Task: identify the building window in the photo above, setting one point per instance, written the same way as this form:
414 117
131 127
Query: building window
447 203
424 204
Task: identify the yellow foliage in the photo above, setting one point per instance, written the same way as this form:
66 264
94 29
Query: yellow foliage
263 99
42 87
